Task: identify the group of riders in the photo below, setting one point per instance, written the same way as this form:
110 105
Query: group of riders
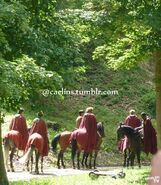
146 130
24 138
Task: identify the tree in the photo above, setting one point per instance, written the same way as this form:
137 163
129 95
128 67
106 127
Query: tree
130 32
3 178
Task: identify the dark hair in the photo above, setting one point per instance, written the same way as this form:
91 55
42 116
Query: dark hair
81 112
20 111
143 114
40 114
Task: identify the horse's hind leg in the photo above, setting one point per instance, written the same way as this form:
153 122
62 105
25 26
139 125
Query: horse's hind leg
58 161
74 149
90 160
86 159
95 157
62 159
11 159
138 158
37 162
78 160
6 150
42 159
32 161
83 158
132 159
125 158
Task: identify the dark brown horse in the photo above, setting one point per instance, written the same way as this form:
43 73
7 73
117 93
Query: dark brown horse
134 144
63 139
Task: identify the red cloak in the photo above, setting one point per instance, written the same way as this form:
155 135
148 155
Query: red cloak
81 136
133 121
18 123
15 136
150 138
39 126
36 140
90 124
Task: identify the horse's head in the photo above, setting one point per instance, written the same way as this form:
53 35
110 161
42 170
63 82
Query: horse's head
123 130
120 131
100 129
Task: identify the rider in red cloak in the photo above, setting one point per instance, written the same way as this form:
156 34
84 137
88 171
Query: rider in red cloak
39 126
18 123
90 124
150 135
133 121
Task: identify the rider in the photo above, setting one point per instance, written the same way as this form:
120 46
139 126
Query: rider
133 121
150 138
18 123
79 118
39 126
90 124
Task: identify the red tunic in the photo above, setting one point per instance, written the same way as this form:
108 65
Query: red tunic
39 126
133 121
18 123
36 140
150 139
15 136
90 124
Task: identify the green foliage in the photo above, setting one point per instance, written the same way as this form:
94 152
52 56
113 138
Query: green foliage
133 29
22 79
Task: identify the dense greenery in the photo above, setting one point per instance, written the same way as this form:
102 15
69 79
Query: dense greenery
79 44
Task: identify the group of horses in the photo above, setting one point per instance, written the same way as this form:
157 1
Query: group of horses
64 141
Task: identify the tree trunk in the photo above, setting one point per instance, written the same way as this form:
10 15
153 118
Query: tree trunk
158 95
3 176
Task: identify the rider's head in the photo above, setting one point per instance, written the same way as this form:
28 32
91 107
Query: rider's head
81 112
132 112
40 114
20 111
143 115
89 109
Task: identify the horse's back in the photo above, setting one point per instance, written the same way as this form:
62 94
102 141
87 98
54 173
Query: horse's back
81 136
14 136
37 141
64 139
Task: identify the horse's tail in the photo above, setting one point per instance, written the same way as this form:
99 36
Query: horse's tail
27 155
54 142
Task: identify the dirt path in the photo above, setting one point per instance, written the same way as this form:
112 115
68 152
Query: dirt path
23 175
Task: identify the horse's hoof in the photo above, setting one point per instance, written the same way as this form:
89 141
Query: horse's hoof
8 170
64 167
58 167
13 170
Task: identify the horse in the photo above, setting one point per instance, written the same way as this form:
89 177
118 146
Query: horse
35 144
63 139
11 142
79 143
134 144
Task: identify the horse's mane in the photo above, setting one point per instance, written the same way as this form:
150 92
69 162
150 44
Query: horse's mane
130 130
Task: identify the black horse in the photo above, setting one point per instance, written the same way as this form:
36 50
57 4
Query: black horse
134 144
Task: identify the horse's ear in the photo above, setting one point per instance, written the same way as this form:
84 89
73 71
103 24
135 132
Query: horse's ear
121 124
